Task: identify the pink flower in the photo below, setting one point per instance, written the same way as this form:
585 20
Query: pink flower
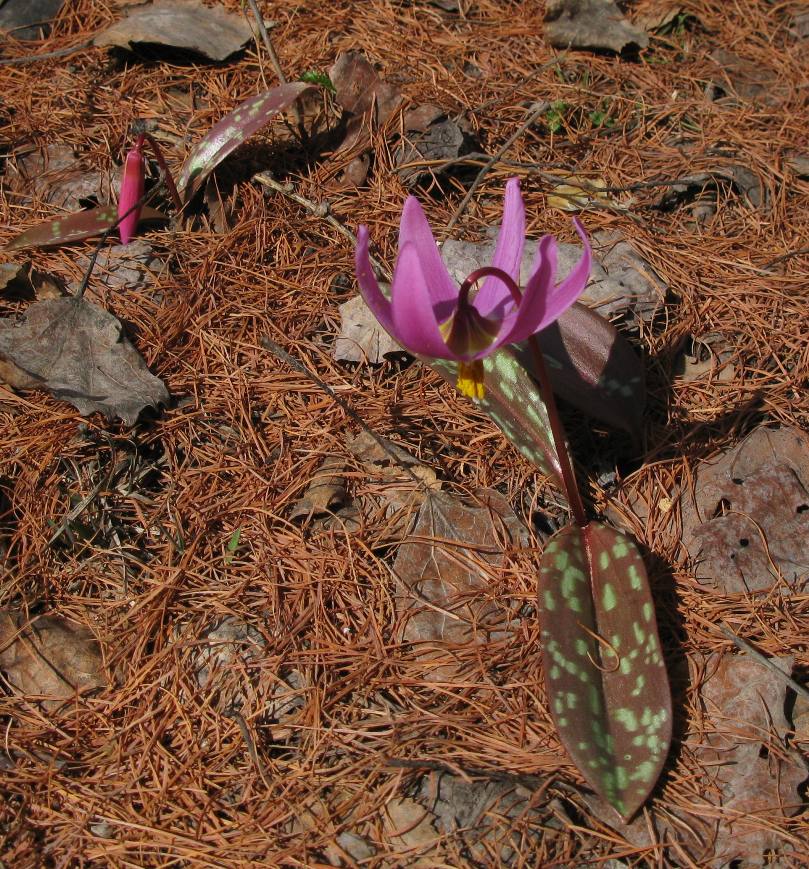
429 315
132 185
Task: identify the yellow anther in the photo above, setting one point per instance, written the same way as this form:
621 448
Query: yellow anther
470 379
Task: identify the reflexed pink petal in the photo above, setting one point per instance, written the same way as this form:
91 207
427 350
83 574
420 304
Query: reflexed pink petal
562 296
373 295
533 313
414 319
132 185
493 298
414 229
543 303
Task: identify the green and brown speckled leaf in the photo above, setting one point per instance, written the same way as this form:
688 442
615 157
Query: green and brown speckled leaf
515 405
609 699
233 130
74 227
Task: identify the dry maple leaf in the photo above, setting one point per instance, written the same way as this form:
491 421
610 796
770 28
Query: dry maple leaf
49 657
79 353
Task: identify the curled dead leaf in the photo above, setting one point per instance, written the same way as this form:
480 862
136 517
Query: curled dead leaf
594 24
49 659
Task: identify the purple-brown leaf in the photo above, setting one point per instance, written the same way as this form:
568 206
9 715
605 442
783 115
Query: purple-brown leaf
593 366
74 227
609 697
233 130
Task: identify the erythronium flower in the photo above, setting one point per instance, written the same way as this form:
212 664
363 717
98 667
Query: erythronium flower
429 315
132 185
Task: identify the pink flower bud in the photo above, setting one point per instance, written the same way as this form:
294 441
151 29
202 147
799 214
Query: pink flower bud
132 184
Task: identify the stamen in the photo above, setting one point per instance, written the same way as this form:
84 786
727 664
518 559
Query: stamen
470 379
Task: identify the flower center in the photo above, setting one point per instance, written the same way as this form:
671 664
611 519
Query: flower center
466 331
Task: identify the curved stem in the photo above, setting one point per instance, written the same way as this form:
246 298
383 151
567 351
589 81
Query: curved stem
545 390
558 432
167 176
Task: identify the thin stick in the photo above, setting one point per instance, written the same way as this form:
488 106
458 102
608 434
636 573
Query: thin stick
537 110
320 210
269 344
764 661
265 38
47 55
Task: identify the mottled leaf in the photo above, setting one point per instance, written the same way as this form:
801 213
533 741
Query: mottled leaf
610 699
49 657
74 227
212 32
79 353
591 365
233 130
513 402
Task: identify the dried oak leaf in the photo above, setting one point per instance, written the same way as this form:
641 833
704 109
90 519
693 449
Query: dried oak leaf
749 80
367 101
595 24
325 493
49 657
748 514
439 140
745 750
444 572
57 177
79 353
211 32
361 337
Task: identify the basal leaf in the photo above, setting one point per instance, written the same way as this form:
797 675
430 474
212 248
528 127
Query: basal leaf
233 130
593 366
609 698
513 401
74 227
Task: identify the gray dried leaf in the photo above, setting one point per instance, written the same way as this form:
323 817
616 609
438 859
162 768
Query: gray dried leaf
441 140
799 27
49 657
748 514
79 353
621 279
409 828
748 80
124 266
481 814
184 24
594 24
798 163
28 19
325 493
692 187
361 337
57 177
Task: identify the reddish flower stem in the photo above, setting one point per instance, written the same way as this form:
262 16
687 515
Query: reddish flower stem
167 176
545 390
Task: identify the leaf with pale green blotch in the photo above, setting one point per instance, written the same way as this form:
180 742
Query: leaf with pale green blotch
609 697
233 130
74 227
513 402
